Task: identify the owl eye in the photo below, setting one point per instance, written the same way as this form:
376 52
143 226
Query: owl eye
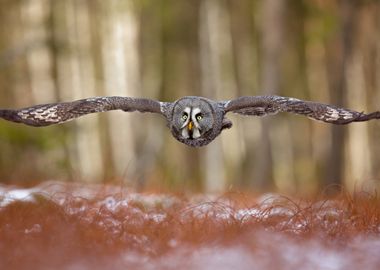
199 117
184 117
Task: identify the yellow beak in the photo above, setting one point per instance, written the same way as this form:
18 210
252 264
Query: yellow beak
190 125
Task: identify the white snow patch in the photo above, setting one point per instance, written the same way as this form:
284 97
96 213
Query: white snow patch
36 228
245 214
9 196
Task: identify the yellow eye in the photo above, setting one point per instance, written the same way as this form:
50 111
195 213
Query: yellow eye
199 117
184 117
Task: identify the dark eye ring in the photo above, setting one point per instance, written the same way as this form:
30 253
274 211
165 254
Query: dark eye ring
184 117
199 117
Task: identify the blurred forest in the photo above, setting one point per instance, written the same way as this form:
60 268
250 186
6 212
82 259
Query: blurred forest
321 50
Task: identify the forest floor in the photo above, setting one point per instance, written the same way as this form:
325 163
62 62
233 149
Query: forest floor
72 226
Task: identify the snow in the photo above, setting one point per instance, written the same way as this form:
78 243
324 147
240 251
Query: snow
9 196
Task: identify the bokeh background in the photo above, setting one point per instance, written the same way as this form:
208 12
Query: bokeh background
321 50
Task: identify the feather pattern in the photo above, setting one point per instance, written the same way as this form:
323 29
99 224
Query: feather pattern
266 105
55 113
208 117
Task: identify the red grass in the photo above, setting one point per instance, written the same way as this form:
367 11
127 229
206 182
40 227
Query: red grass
81 227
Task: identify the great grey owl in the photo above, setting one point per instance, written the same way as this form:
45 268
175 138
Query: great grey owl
194 121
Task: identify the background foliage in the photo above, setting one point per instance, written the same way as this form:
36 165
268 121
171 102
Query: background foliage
327 51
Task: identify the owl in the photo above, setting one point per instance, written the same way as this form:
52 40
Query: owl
193 120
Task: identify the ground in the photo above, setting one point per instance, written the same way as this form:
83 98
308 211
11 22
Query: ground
77 226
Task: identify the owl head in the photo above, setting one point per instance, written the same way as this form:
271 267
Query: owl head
196 121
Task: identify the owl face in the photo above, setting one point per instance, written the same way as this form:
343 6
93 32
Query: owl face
193 120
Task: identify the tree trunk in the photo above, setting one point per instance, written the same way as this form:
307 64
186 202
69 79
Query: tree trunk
272 28
338 53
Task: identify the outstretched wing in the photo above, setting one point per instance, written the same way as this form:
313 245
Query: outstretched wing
264 105
55 113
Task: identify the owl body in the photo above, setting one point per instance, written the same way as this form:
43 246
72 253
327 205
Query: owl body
193 120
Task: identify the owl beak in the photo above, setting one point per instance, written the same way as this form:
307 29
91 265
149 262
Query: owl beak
190 125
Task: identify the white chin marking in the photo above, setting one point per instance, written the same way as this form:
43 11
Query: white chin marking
185 133
196 133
